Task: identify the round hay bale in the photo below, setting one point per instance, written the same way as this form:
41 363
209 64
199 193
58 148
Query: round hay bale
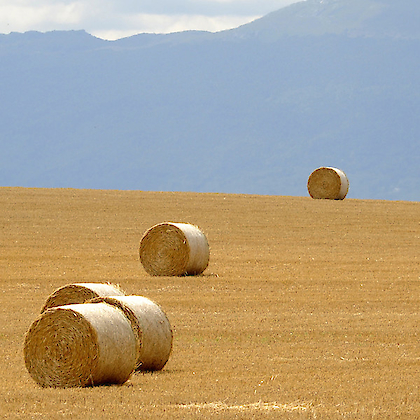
80 293
80 345
151 327
174 249
328 183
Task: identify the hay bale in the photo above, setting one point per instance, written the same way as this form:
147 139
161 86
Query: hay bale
80 293
328 183
151 327
174 249
80 345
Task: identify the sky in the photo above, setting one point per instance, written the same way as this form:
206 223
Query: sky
115 19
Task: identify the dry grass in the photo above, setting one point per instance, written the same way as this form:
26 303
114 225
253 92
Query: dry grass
306 304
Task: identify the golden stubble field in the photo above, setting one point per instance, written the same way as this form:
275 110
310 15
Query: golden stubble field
309 309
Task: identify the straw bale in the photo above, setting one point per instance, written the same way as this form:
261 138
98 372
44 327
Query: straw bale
80 293
328 183
174 249
80 345
151 327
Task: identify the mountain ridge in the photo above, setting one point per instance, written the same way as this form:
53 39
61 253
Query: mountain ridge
308 17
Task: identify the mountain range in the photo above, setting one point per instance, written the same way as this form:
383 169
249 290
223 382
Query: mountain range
250 110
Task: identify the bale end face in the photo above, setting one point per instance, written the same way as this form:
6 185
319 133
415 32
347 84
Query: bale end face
61 350
328 183
80 345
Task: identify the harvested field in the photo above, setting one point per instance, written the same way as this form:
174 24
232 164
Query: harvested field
309 309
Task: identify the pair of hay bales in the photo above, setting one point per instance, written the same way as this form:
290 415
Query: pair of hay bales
174 249
328 183
177 249
92 334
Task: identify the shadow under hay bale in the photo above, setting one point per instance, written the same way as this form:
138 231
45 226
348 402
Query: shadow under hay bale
174 249
328 183
151 328
80 293
80 345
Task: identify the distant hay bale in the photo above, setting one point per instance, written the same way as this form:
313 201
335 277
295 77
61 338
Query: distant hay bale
80 345
174 249
151 328
328 183
80 293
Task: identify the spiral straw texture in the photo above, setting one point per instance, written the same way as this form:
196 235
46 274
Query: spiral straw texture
151 328
80 293
80 345
174 249
328 183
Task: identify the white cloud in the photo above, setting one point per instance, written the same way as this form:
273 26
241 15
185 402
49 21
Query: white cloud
23 17
113 19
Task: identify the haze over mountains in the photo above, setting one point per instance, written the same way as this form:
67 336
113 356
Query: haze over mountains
250 110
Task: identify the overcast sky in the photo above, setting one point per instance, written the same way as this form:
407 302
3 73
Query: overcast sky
113 19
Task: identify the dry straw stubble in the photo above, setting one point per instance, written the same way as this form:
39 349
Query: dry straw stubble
80 345
174 249
151 327
80 293
328 183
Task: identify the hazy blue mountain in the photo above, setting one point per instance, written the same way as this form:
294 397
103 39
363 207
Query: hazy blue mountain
251 110
353 18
